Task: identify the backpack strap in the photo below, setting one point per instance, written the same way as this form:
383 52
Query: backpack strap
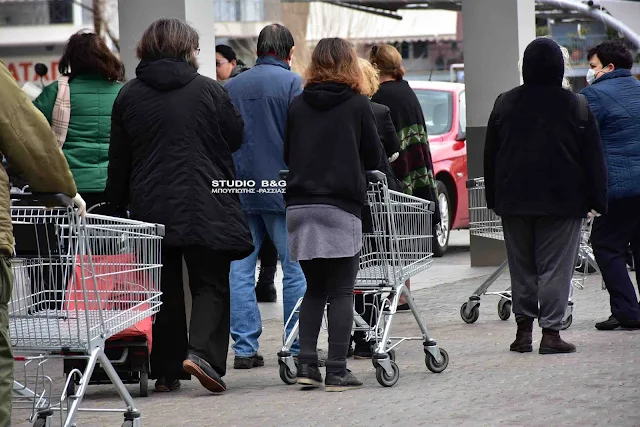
583 112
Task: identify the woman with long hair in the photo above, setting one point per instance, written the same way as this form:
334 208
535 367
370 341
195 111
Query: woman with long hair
78 106
330 141
414 166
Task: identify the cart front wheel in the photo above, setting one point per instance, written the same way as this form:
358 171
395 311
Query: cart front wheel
504 309
386 380
471 317
127 423
286 375
40 422
567 322
144 384
433 365
392 356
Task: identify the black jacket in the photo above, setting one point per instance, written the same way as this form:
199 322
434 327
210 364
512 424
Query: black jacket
537 161
172 134
390 143
330 141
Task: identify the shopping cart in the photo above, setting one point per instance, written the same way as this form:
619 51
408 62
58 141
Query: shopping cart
110 268
485 223
399 247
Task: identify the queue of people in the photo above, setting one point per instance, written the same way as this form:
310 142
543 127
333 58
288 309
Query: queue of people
551 159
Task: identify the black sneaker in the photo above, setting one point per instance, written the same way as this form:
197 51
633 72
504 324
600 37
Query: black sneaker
608 325
309 375
631 324
341 382
164 385
204 372
242 362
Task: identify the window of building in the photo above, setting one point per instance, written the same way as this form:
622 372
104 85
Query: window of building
420 50
60 11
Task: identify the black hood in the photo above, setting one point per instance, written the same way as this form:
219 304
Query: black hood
166 73
326 95
543 63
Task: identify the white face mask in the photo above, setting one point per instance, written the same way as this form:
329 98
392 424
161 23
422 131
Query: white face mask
591 76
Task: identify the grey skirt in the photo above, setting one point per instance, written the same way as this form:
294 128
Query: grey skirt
322 231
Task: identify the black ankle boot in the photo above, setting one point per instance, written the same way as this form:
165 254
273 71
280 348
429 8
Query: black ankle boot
265 288
551 343
524 339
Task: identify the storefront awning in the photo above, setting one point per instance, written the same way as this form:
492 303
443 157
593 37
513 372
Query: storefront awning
329 20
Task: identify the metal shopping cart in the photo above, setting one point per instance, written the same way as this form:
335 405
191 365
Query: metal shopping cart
110 269
399 247
485 223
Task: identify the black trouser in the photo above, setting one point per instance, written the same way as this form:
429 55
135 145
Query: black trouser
610 238
209 325
328 280
268 254
542 254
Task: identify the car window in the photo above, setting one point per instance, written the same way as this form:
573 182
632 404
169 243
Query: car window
437 107
463 112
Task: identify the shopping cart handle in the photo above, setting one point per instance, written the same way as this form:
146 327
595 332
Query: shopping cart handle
47 199
372 176
376 176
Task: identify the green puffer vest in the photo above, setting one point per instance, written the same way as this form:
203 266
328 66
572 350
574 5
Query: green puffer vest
87 145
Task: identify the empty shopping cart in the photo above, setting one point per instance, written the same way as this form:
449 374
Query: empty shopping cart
399 247
483 222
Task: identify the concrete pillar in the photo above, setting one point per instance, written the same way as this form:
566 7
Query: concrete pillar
496 32
136 15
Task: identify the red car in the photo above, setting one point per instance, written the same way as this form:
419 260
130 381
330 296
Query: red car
445 112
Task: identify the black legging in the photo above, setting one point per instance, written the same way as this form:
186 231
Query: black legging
328 280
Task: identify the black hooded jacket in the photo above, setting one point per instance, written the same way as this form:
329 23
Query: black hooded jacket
537 159
330 140
172 133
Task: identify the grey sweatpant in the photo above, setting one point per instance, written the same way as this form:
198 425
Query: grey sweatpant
541 251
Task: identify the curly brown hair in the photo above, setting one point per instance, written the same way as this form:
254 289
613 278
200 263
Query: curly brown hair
387 60
335 60
86 53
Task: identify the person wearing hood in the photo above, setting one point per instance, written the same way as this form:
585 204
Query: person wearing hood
172 135
330 140
227 63
544 172
614 97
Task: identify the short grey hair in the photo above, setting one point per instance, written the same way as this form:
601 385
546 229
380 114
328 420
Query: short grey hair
169 38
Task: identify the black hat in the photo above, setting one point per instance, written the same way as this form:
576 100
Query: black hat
543 63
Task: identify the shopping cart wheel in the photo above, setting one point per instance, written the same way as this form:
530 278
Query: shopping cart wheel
286 375
392 356
144 384
386 380
40 422
473 316
504 309
567 322
433 365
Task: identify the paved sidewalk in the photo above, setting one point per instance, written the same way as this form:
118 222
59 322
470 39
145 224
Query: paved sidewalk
485 384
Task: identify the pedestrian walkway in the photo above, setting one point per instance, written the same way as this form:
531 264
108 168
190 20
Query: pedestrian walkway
485 384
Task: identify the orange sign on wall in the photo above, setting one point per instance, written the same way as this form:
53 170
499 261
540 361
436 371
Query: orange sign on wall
23 69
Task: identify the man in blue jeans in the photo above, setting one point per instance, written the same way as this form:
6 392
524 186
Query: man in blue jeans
262 95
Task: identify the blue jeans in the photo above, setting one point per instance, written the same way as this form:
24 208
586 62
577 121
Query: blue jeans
246 323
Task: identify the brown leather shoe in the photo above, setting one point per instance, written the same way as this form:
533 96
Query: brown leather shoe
551 343
524 339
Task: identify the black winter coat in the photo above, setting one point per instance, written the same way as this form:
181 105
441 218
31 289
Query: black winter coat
330 141
537 161
172 134
390 143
